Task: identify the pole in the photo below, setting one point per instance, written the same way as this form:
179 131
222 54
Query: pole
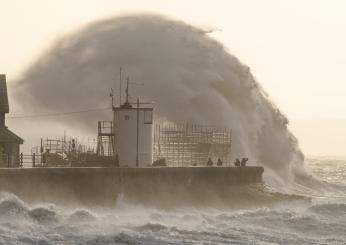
112 96
137 145
41 150
33 160
127 90
120 78
64 144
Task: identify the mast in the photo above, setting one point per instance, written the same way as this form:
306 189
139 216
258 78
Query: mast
120 81
127 90
112 97
137 138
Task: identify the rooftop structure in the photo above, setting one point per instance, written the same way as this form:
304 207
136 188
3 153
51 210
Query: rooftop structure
133 135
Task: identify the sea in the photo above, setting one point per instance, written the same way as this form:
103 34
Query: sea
309 217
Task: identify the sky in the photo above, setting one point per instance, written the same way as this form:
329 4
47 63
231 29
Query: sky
295 49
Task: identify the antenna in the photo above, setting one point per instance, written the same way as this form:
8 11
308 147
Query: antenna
112 96
127 89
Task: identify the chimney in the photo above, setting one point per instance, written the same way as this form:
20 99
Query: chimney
4 107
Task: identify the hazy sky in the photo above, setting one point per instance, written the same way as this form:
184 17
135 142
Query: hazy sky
296 49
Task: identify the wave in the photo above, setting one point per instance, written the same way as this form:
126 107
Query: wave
127 223
81 216
12 206
334 209
230 197
43 215
182 67
152 227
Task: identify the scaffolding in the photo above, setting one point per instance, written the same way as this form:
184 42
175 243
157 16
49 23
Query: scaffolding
191 144
180 145
105 138
70 152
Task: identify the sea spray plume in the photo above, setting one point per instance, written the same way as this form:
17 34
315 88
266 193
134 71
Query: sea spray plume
190 76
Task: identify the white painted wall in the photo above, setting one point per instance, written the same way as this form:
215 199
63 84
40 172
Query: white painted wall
125 130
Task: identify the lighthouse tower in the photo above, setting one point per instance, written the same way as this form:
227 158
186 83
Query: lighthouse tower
133 134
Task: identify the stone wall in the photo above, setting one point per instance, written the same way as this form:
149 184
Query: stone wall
102 186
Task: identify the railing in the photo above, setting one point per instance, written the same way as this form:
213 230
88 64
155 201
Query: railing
54 160
31 160
22 161
46 160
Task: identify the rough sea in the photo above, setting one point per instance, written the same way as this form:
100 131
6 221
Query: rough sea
318 217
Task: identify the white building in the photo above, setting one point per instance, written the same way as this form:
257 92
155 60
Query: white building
133 133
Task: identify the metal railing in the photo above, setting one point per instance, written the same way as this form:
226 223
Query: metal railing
21 161
31 160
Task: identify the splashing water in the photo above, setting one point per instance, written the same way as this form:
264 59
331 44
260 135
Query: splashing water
288 221
190 76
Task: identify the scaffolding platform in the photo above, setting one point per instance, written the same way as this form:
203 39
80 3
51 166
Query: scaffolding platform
191 144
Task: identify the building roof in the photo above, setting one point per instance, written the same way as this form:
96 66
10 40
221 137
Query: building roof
6 136
4 107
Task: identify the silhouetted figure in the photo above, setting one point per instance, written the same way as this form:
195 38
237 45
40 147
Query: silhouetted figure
237 162
210 162
243 161
44 157
219 162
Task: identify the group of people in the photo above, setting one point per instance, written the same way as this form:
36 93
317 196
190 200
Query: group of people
210 162
237 162
241 163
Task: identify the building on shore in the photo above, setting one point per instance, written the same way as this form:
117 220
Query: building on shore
9 142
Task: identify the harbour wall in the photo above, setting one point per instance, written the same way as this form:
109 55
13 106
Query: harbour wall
103 186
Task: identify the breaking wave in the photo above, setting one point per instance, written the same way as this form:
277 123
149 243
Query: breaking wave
335 209
181 66
128 223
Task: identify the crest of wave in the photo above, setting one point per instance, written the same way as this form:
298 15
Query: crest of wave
190 76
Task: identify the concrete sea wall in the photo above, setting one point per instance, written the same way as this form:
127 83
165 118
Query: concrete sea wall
102 186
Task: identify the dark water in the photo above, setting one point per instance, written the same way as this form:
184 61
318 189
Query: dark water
281 219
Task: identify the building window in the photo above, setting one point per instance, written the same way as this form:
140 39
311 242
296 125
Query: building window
148 117
127 117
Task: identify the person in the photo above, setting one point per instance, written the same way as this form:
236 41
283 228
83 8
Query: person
45 157
237 162
243 161
219 162
210 162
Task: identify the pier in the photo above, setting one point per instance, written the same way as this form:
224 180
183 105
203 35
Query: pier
102 186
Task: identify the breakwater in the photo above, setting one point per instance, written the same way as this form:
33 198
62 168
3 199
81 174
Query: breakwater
102 186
